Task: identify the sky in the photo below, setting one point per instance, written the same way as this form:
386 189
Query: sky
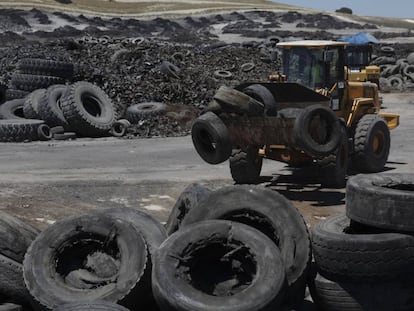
385 8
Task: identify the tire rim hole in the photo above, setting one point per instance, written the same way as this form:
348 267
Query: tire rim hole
19 112
320 130
207 141
378 143
92 105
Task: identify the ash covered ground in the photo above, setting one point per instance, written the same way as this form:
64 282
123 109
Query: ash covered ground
123 56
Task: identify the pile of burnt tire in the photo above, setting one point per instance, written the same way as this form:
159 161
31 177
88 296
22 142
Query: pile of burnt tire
365 260
396 74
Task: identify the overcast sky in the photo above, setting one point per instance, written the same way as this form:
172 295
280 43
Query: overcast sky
386 8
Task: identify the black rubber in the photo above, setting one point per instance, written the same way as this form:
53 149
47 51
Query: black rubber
118 129
140 111
57 130
46 67
15 94
369 128
328 137
32 103
19 130
361 295
87 109
91 306
246 165
65 246
342 253
382 200
272 214
223 74
10 307
28 82
50 106
170 69
263 95
16 236
12 109
44 133
211 138
64 136
246 67
188 199
218 265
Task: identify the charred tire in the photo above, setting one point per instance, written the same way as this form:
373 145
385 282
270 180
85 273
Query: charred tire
32 103
211 138
170 69
188 199
64 247
16 237
91 306
342 253
270 213
12 109
323 140
19 130
334 167
44 133
361 295
46 67
223 74
232 100
140 111
15 94
263 95
50 106
218 265
371 144
12 286
382 200
246 165
87 109
27 82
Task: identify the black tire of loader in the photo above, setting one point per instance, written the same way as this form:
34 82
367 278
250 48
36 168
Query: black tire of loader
302 132
371 144
343 254
245 166
186 273
188 199
382 200
91 306
263 95
48 260
211 138
270 213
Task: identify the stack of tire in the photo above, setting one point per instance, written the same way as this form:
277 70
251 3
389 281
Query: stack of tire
365 260
396 74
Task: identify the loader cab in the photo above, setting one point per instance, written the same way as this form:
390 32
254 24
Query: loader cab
314 64
358 56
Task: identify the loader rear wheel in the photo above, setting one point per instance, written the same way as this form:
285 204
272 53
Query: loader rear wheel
371 144
245 166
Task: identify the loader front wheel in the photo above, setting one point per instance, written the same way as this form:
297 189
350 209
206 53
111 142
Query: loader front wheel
371 144
245 166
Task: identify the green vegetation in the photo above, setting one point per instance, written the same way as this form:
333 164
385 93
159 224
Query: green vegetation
344 10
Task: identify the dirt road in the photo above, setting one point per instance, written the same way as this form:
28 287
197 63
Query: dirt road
45 181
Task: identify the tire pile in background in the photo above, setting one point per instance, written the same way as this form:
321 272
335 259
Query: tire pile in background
241 248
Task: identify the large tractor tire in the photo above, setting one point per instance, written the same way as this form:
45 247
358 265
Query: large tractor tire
263 95
46 67
245 166
371 144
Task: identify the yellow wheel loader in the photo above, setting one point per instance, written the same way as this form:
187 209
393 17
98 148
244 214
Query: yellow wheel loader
309 113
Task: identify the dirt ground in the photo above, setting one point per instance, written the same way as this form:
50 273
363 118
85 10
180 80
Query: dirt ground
42 182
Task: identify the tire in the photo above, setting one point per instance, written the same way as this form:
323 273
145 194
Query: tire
12 286
232 100
388 50
91 306
118 129
64 136
361 296
211 138
137 112
245 166
87 109
15 237
46 67
382 200
270 213
32 103
65 246
263 95
10 307
223 74
197 268
343 254
396 83
324 142
371 144
12 110
50 106
44 133
27 82
57 130
188 199
15 94
246 67
170 70
334 167
19 130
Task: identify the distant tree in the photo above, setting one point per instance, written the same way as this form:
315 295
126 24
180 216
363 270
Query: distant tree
344 10
64 1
